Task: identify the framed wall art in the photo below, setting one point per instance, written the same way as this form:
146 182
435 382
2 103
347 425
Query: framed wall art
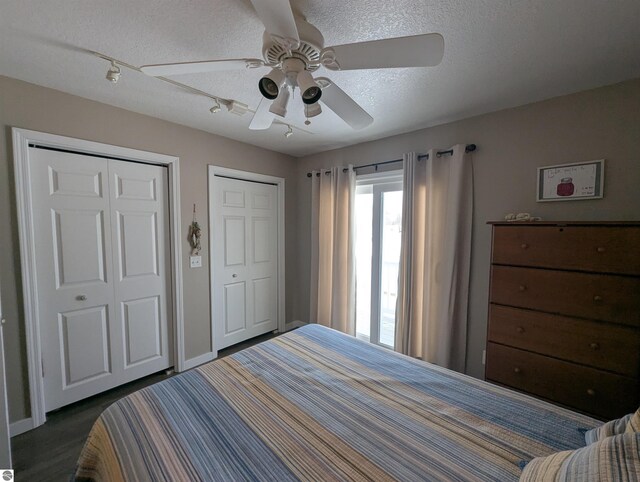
571 182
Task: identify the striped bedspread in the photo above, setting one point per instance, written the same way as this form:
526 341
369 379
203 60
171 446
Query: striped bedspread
315 404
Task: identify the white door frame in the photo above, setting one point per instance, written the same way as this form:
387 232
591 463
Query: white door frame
247 176
5 443
22 138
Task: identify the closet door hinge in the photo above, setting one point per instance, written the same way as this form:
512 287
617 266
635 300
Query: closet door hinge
42 366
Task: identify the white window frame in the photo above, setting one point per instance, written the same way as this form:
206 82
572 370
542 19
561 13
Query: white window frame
377 184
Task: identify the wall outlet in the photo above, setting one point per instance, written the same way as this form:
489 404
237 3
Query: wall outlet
196 261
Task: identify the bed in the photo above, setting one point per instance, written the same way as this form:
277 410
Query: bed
315 404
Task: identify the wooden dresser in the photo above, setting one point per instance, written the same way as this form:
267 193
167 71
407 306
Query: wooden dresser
564 313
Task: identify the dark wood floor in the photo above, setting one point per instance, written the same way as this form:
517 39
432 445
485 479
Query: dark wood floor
50 452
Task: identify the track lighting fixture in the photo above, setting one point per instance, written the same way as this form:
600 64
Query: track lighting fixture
113 74
279 106
216 107
271 84
237 108
289 132
310 91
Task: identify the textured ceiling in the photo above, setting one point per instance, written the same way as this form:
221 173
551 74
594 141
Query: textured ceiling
498 54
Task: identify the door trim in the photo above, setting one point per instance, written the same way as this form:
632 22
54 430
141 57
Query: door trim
217 171
21 140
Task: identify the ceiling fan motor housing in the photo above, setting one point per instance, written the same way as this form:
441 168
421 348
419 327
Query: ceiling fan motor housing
308 50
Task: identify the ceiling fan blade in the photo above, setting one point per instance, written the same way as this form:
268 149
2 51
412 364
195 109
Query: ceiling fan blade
158 70
415 51
262 119
277 17
344 106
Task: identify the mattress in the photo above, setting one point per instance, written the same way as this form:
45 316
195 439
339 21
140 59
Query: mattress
315 404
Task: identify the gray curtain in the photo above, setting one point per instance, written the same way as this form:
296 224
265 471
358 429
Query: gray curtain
332 249
433 280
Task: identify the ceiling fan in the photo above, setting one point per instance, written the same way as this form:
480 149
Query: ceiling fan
293 49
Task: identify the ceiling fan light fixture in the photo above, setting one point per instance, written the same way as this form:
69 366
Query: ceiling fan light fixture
113 74
279 106
312 110
310 91
271 84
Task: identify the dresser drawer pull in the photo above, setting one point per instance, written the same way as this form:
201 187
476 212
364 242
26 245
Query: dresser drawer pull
591 392
594 346
516 370
600 249
522 288
597 298
524 245
520 329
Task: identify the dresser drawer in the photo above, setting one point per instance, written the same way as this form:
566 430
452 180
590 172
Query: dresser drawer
600 345
602 249
586 389
596 296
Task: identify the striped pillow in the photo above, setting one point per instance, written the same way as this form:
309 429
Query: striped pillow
614 427
614 459
634 423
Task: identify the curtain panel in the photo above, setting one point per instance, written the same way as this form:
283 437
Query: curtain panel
435 255
332 249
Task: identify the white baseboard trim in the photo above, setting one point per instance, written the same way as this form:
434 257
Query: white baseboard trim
21 426
293 324
199 360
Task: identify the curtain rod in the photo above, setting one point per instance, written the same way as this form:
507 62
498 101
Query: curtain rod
469 148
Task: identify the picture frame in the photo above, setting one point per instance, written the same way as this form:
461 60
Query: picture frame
578 181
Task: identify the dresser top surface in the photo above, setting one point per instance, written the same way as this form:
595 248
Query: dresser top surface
565 223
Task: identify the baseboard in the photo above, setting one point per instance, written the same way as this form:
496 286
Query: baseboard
21 426
199 360
293 324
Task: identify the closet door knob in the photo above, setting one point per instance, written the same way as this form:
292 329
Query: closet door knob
600 249
520 329
591 392
524 245
594 346
522 288
516 370
81 297
597 298
234 275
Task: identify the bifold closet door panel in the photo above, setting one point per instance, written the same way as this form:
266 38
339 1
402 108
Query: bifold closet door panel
72 232
140 238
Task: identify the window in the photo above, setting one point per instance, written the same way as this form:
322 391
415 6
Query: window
378 218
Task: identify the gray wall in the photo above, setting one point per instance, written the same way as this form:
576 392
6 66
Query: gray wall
38 108
602 123
596 124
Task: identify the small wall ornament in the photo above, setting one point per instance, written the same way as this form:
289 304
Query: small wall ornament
194 235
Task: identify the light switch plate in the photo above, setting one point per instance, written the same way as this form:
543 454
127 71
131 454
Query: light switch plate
196 261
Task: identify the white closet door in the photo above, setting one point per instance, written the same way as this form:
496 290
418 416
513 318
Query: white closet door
245 291
82 334
140 238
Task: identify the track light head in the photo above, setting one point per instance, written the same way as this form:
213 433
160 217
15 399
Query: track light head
113 74
216 107
289 132
279 106
271 84
310 91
